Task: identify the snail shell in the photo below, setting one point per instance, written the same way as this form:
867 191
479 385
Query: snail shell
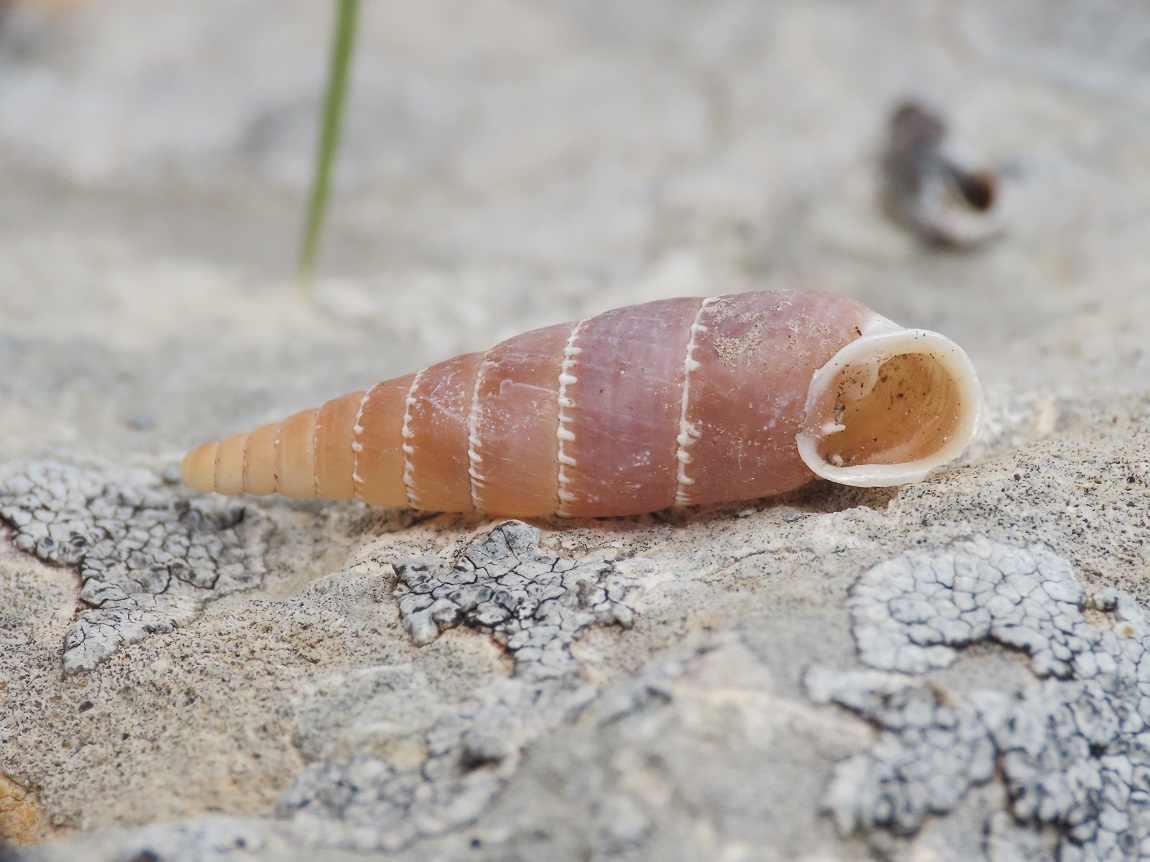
671 403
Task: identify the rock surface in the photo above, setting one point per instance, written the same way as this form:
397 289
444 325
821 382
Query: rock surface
952 670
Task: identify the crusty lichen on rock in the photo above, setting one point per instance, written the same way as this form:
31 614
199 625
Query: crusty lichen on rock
1072 750
534 603
148 558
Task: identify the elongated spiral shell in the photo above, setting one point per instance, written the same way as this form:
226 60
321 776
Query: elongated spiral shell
671 403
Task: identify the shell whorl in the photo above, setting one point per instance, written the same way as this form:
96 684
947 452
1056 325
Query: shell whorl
671 403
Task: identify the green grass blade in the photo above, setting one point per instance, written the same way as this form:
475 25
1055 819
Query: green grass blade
341 51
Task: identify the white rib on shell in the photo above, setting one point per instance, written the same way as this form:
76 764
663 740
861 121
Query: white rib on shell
315 454
474 459
409 450
356 446
689 433
565 434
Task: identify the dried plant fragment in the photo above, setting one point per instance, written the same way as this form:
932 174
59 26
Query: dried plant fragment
927 189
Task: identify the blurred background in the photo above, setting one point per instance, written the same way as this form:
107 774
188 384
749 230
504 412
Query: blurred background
513 163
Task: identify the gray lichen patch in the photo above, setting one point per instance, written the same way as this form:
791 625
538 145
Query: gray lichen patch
148 559
1072 750
533 603
911 612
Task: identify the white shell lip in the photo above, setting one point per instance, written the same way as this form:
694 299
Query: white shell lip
882 341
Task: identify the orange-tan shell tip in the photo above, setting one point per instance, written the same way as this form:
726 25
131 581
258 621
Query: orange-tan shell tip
676 402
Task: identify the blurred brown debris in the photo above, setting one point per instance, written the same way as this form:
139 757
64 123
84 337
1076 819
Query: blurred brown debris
926 190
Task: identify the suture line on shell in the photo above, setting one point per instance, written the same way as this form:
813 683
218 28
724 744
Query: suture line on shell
408 449
563 431
314 461
357 444
688 433
474 459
